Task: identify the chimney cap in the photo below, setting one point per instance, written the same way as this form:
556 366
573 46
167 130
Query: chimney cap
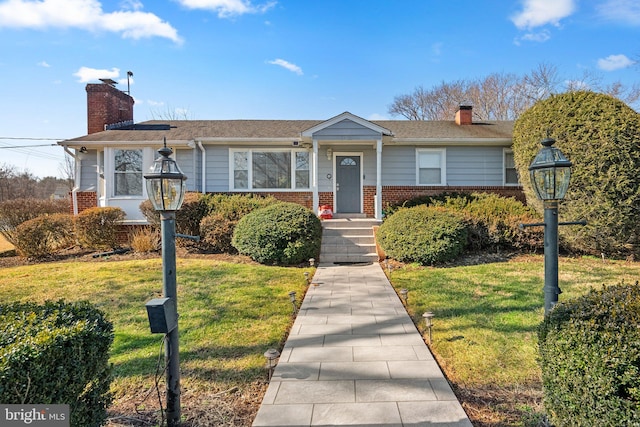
466 105
109 82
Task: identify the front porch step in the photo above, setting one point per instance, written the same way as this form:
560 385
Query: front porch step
348 240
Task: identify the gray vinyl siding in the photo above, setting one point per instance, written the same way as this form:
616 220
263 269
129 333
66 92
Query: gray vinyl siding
346 130
186 160
89 171
475 166
466 166
217 168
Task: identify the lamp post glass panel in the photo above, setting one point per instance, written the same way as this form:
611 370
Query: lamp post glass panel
165 188
550 173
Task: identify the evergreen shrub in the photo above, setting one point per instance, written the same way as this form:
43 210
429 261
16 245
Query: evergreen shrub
97 228
590 359
56 353
217 227
16 211
44 235
422 234
283 233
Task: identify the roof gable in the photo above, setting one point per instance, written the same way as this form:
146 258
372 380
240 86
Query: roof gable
346 116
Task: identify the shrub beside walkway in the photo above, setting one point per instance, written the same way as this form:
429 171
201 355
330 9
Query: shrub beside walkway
354 357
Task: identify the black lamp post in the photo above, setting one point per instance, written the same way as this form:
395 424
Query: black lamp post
550 173
166 190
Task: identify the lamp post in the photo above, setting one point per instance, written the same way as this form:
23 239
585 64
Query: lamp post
550 173
166 190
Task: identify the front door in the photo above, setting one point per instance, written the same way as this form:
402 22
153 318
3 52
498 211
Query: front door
348 186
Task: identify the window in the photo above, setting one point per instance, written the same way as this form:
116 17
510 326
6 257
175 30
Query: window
510 173
127 173
270 170
431 167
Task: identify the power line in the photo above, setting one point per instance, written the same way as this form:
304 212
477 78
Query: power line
31 139
28 146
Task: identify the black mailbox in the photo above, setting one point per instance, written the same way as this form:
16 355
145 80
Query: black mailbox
162 315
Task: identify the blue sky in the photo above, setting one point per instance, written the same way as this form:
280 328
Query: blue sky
281 59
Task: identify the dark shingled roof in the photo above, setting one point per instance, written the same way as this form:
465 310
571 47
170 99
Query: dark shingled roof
187 130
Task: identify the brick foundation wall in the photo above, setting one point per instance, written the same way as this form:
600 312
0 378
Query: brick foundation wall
86 200
398 194
369 205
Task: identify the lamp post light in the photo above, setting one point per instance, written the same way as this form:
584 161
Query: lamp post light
428 321
550 173
166 190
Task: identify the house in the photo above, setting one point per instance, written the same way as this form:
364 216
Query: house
354 165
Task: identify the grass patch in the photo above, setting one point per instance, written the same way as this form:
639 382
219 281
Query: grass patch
230 314
486 317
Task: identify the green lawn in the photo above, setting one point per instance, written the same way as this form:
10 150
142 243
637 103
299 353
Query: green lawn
230 314
484 333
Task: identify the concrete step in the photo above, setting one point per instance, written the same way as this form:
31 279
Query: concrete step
348 240
348 258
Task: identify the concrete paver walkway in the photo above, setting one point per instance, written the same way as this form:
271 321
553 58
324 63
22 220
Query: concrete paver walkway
355 358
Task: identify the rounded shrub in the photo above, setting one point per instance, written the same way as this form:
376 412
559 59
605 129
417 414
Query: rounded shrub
590 359
601 137
55 353
188 217
97 228
283 233
16 211
422 234
216 229
44 235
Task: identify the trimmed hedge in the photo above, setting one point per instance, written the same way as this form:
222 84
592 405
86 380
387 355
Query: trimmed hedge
97 228
16 211
56 353
283 233
422 234
43 236
590 359
188 217
216 229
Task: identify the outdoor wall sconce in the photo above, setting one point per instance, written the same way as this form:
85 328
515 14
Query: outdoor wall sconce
428 321
292 298
329 153
404 295
272 354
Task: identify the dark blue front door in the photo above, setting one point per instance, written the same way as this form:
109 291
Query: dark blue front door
348 184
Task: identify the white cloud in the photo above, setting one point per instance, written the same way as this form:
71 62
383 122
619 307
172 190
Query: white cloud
614 62
155 103
288 65
86 74
228 8
625 11
44 64
537 13
86 15
376 116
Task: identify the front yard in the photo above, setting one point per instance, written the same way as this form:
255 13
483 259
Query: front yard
232 310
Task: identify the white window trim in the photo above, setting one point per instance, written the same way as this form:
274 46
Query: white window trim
443 166
109 172
506 151
250 152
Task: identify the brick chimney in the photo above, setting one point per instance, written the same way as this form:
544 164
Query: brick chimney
464 115
107 105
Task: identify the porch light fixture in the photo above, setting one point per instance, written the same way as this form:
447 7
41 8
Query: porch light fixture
271 355
550 172
329 153
428 321
166 189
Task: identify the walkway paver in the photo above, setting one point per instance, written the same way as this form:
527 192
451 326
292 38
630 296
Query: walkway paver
355 358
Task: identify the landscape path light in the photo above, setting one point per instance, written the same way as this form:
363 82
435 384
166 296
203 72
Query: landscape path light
271 355
428 321
166 190
292 298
